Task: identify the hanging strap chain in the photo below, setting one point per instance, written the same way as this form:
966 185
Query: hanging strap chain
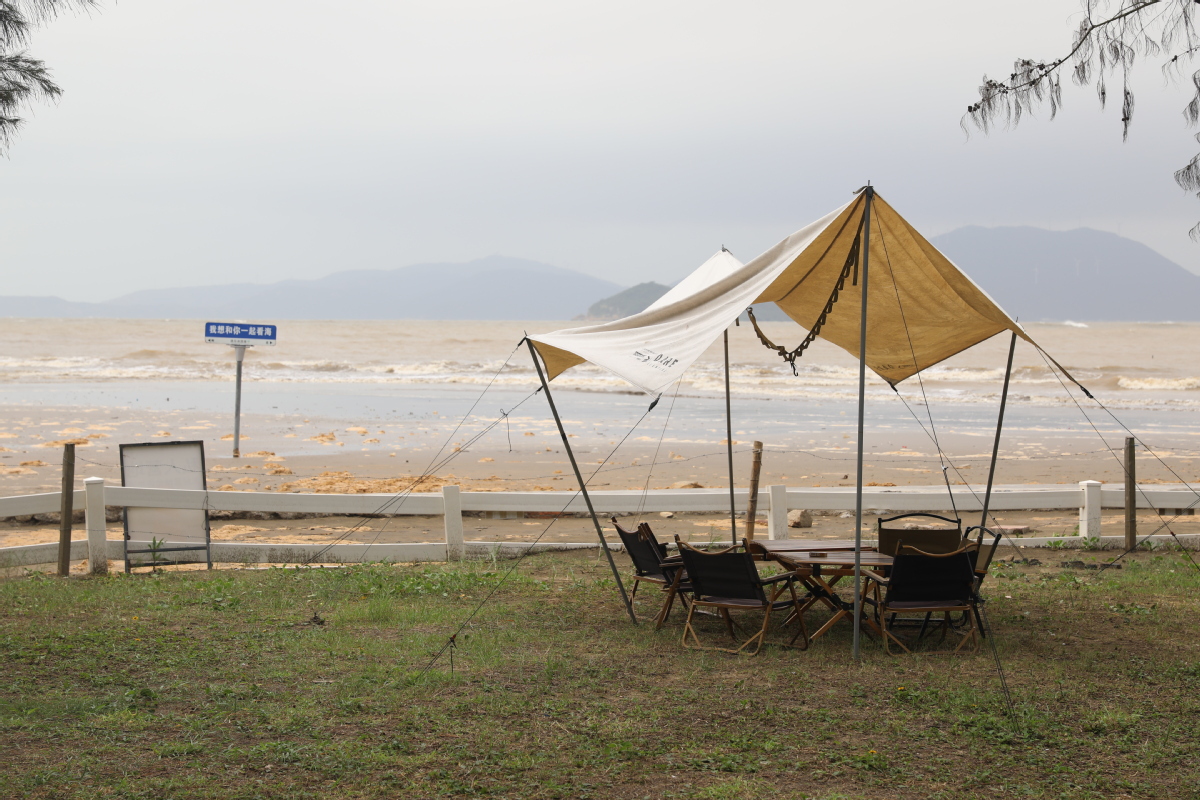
790 356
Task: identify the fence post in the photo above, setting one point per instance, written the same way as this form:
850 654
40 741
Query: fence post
97 531
1130 494
777 510
66 511
1089 512
452 502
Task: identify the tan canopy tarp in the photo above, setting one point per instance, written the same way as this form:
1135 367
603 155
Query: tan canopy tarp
921 308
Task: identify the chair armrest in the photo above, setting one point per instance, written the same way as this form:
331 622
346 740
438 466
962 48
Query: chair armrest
783 576
875 576
671 561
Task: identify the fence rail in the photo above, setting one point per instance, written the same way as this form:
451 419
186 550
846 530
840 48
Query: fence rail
1089 497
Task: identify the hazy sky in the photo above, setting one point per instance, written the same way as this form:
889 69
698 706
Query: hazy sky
217 141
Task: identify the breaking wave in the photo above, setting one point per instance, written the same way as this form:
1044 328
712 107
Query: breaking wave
1159 384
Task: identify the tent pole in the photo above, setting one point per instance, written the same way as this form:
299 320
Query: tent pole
862 397
987 496
587 498
729 447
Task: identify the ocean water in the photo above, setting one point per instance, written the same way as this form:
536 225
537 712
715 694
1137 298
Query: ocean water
1132 364
1148 373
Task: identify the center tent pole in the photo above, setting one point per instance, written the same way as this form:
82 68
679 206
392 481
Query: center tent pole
862 397
729 447
987 495
587 498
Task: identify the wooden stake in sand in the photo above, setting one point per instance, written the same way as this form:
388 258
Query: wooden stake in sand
752 505
66 511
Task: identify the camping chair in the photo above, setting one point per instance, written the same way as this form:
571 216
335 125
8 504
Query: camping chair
981 560
652 565
728 580
928 583
936 540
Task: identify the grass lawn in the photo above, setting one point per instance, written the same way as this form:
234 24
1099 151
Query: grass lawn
218 685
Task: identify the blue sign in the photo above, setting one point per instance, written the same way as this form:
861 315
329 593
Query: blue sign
239 333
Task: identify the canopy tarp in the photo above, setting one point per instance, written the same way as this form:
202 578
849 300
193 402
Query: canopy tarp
921 308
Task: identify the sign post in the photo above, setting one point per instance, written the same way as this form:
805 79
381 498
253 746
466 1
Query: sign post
239 336
239 351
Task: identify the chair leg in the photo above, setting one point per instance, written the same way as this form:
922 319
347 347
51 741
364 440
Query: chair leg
971 635
924 625
889 638
796 613
759 637
665 611
728 623
687 629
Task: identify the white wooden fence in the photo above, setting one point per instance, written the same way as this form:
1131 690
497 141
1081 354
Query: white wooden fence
773 501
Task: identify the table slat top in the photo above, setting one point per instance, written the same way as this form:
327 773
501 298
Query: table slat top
833 559
808 545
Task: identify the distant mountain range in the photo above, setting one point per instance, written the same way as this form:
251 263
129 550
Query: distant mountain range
626 302
490 288
1083 275
1034 274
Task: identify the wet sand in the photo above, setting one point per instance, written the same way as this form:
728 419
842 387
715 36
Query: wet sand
296 454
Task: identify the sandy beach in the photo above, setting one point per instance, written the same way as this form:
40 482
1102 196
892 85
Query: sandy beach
377 418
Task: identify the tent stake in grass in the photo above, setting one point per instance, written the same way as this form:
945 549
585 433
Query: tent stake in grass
587 498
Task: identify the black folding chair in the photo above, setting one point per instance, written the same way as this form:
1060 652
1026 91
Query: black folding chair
943 539
728 580
928 583
652 564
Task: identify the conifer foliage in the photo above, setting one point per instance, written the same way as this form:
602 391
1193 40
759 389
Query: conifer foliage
24 79
1112 35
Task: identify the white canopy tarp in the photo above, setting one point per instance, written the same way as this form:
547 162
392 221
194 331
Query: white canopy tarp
921 309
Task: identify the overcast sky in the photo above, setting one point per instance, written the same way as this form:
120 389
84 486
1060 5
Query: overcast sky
219 141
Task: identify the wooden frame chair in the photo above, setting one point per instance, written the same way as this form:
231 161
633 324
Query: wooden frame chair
936 540
728 580
652 564
928 583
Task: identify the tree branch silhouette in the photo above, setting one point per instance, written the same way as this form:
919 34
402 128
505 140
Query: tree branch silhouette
1110 38
24 79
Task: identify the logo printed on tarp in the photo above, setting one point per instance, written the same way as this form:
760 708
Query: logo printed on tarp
657 361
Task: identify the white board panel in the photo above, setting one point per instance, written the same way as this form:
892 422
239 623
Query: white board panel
165 465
